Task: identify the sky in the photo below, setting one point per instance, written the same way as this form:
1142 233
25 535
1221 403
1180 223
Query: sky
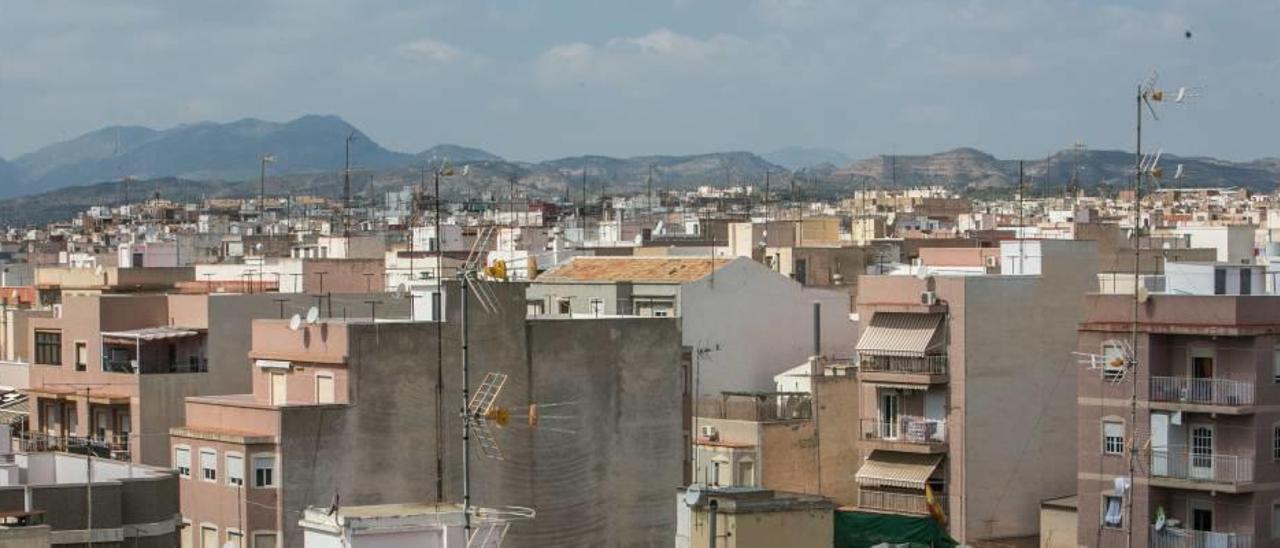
539 80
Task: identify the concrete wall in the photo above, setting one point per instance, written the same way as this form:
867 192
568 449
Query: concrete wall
756 324
1057 528
1012 387
608 483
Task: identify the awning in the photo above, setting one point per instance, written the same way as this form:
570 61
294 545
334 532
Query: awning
900 334
894 469
273 364
897 385
150 334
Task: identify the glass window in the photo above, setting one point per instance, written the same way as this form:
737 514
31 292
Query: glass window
235 469
264 540
1113 511
1275 521
1113 437
1219 281
82 356
1275 443
1114 361
1246 281
235 539
49 347
264 471
182 461
209 464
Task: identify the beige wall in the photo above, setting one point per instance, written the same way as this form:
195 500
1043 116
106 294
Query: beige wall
1057 528
796 528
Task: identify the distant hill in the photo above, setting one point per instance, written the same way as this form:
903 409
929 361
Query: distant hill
794 158
970 168
10 176
456 154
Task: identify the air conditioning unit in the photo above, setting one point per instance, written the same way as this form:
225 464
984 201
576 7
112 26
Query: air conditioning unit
928 298
710 433
993 261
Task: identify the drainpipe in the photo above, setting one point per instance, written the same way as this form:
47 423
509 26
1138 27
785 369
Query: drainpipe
711 521
817 329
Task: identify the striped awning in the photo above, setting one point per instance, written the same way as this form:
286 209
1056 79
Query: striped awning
900 334
894 469
150 334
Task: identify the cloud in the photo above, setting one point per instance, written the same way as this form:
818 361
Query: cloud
644 60
431 50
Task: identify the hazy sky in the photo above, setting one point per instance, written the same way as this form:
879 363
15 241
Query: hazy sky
534 80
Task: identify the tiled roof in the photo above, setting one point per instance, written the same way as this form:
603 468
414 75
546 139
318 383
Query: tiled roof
634 269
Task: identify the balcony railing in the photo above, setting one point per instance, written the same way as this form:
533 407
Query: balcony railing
927 365
1210 468
885 501
1171 537
1202 391
906 429
111 447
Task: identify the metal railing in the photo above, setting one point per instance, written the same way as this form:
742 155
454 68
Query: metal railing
1171 537
1204 391
112 447
906 429
927 365
887 501
1212 468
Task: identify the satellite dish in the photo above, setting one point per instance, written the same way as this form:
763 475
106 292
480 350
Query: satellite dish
402 291
693 494
295 322
1143 294
313 314
1178 172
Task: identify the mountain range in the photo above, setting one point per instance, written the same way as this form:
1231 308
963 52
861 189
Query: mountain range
212 159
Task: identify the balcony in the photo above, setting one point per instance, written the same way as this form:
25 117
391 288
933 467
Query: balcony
114 447
1209 395
1173 537
1180 468
888 501
913 369
907 433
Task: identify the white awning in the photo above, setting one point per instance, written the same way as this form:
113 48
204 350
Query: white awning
273 364
894 469
900 334
152 333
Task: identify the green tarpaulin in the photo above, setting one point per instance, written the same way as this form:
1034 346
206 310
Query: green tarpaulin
865 530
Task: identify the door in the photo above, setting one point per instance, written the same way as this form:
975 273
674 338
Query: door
1159 444
802 271
1201 516
279 390
325 392
1201 388
889 415
101 423
208 537
1202 452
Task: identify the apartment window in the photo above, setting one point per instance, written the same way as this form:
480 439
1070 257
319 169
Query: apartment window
1112 511
209 464
746 473
1275 443
186 540
1112 437
264 540
235 539
82 356
264 471
182 460
1246 281
235 469
325 390
1113 361
49 347
535 308
597 307
1219 281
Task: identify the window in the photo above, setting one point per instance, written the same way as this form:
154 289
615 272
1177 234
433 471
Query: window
1275 443
1112 437
279 389
1246 281
1275 521
1114 362
1112 511
209 464
597 307
264 471
235 539
186 540
746 473
49 347
538 308
566 306
235 469
1219 281
82 356
182 460
264 540
1275 365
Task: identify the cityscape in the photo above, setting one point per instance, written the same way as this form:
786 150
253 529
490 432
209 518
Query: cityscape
247 333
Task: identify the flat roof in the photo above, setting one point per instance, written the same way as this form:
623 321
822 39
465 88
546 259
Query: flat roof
634 269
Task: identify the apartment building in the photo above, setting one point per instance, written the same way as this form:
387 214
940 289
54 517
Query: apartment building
966 389
108 373
742 318
1203 431
347 410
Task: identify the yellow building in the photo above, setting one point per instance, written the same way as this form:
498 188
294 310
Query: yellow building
750 517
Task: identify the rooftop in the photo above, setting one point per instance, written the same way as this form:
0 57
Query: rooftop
634 269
